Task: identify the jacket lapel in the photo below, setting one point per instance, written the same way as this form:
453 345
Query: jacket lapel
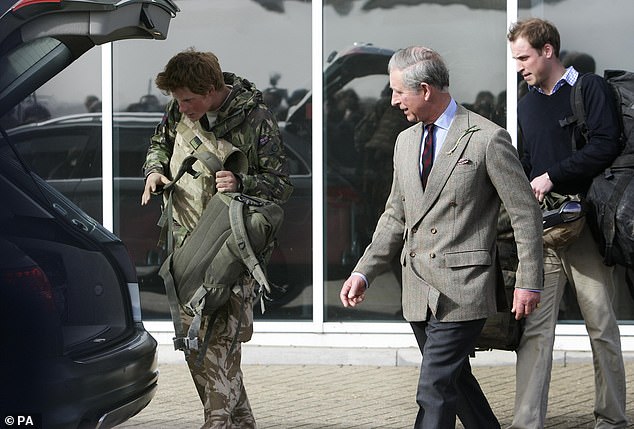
452 149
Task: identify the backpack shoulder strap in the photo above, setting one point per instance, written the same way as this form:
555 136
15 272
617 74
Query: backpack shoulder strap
208 159
239 231
211 162
181 341
577 103
578 117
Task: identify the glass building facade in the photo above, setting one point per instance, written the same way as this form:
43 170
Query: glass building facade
321 66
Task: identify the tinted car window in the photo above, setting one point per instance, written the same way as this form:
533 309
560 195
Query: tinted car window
15 65
58 156
132 150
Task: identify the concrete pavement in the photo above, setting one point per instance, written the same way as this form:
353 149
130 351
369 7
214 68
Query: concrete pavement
310 395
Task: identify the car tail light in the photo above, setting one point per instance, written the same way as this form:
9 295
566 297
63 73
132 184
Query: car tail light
22 3
29 277
309 110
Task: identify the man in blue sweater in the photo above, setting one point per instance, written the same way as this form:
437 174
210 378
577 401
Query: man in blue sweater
552 165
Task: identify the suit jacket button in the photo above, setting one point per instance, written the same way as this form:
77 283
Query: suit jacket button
414 230
432 255
412 254
434 230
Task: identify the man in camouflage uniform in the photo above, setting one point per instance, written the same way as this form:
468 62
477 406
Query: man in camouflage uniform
211 111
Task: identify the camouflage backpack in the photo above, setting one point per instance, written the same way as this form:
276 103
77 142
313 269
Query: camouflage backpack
234 235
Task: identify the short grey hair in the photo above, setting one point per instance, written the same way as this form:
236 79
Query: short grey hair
420 65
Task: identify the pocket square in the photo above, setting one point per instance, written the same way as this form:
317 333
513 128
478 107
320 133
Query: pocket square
464 161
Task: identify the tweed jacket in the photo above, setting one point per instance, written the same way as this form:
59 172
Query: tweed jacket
446 233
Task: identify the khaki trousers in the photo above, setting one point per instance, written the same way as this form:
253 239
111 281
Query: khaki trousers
581 264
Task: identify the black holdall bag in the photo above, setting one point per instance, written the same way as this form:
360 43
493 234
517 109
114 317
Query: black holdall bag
611 196
501 331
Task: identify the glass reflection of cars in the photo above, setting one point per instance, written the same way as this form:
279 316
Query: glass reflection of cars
66 152
72 163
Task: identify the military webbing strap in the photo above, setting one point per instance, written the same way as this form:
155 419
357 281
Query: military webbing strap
208 159
193 331
210 326
179 340
239 231
182 342
212 162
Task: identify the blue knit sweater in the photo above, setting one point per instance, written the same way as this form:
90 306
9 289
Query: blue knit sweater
547 146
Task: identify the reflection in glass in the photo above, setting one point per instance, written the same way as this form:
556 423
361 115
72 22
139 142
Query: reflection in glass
361 126
359 132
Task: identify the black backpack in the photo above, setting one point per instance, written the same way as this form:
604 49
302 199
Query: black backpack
611 194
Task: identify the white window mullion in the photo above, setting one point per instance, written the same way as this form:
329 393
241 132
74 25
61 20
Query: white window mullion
511 75
318 165
106 137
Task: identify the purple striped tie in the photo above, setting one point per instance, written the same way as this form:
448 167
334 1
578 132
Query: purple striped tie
427 158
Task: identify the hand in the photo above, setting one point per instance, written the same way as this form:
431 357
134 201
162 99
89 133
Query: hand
152 182
226 181
524 302
541 185
353 291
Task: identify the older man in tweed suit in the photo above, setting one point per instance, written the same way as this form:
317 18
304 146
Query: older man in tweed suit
441 217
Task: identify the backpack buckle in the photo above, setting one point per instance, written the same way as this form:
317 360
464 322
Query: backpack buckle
245 199
185 344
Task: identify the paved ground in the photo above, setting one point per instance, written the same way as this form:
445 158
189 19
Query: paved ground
363 397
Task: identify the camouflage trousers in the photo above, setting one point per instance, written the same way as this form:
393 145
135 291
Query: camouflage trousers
219 379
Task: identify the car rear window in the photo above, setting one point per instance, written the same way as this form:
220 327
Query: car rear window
58 155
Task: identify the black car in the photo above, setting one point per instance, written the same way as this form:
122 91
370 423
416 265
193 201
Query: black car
75 352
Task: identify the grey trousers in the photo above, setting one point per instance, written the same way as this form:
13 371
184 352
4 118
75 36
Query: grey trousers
580 264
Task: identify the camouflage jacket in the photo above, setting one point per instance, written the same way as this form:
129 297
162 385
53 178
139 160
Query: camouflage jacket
246 122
